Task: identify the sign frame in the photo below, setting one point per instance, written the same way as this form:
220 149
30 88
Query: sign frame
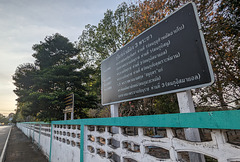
69 102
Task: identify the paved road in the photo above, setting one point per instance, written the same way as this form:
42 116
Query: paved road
4 130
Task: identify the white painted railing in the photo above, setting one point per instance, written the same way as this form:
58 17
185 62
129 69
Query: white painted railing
140 147
66 143
40 134
142 138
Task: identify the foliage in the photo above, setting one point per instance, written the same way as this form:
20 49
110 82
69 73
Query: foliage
3 119
145 14
103 112
96 43
42 87
220 22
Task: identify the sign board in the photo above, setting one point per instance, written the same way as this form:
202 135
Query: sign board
69 102
169 57
68 109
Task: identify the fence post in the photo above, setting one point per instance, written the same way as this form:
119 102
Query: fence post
33 129
39 138
50 151
82 144
186 105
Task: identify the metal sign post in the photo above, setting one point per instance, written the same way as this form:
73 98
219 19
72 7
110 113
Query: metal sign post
114 110
72 113
65 116
114 113
186 105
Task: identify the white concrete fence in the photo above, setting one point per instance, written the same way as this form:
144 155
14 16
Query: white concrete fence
140 138
40 133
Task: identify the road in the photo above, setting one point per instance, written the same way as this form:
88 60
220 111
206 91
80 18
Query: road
4 130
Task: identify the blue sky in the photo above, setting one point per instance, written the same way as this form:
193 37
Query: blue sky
27 22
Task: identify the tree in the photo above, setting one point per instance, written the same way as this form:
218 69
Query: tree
145 14
54 51
3 119
42 87
96 43
220 22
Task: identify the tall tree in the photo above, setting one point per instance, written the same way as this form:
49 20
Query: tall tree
41 88
3 119
220 22
145 14
96 43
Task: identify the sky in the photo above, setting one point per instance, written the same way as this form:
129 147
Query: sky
24 23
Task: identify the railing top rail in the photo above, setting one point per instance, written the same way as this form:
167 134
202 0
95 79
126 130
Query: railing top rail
36 122
212 120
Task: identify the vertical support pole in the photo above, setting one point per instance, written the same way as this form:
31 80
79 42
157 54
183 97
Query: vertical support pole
142 147
72 113
83 145
27 130
186 105
114 113
173 153
39 138
33 128
114 110
50 150
65 116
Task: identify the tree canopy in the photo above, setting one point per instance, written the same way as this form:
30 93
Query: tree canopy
3 119
41 87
